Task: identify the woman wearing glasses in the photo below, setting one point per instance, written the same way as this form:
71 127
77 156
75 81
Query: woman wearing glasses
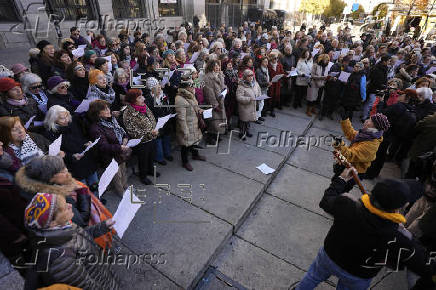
59 94
31 85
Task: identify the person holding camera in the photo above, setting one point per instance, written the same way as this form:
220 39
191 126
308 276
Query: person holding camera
363 233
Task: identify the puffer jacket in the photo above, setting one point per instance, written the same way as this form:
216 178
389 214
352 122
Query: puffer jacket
69 255
187 131
81 202
213 86
23 112
359 154
246 95
95 93
139 125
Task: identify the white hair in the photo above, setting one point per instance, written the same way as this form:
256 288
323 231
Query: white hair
182 33
29 79
426 93
55 89
120 72
236 41
52 116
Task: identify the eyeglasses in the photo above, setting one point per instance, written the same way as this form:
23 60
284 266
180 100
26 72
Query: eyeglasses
63 87
35 87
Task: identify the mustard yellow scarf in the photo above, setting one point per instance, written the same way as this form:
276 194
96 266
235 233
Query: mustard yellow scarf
394 217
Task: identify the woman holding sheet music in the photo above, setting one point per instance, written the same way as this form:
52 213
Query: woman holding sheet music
304 69
319 75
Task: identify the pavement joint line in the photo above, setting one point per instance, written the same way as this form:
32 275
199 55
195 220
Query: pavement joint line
297 205
307 170
248 212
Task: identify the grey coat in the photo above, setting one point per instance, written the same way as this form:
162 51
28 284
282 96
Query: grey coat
213 86
187 131
246 95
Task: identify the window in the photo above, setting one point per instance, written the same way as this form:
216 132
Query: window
168 8
128 9
8 12
70 9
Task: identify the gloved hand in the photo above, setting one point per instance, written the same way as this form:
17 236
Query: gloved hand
338 142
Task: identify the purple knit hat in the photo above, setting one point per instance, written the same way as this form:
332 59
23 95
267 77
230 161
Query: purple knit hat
54 81
380 122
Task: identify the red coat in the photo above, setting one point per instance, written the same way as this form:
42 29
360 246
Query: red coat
274 90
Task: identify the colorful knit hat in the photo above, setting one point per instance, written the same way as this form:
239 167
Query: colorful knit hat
380 122
40 211
93 75
151 82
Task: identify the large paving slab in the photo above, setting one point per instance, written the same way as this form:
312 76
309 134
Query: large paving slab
316 160
335 125
216 190
322 138
255 268
244 159
287 122
288 186
187 236
287 231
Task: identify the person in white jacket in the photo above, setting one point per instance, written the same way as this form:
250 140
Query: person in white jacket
304 68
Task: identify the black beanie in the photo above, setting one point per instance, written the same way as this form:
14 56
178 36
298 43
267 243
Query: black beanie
99 62
391 194
43 43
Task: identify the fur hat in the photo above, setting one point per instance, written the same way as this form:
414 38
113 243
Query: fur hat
93 75
18 68
151 82
7 83
5 72
28 79
43 168
380 121
40 211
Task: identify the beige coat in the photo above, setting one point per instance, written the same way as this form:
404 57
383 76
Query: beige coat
187 131
245 95
316 82
213 86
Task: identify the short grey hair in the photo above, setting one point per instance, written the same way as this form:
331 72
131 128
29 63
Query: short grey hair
52 116
29 79
120 72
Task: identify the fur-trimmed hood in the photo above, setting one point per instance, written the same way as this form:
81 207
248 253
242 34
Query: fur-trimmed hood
34 186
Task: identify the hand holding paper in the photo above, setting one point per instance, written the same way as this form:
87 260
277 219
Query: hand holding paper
207 113
133 142
262 97
276 78
343 77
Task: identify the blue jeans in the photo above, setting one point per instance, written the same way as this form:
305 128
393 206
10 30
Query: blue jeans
91 180
368 105
323 267
163 147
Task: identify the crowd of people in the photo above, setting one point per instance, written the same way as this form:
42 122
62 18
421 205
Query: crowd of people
244 76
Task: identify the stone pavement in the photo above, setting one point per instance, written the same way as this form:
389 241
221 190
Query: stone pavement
239 228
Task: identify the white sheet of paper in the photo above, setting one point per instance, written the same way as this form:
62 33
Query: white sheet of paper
336 55
83 107
109 62
82 46
55 147
292 73
265 169
356 57
242 55
171 73
262 97
334 74
344 51
431 70
315 51
107 177
43 108
329 66
268 46
188 65
137 80
90 145
194 57
223 94
207 113
27 125
161 122
133 142
78 52
88 38
276 78
38 123
343 77
125 212
186 45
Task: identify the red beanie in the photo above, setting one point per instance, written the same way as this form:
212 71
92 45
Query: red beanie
7 83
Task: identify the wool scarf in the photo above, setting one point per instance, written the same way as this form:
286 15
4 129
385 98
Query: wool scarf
394 217
14 102
141 109
366 135
113 124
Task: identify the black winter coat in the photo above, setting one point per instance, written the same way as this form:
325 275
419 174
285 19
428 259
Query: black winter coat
67 101
402 118
358 240
79 87
65 252
378 77
424 109
351 97
73 141
23 112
